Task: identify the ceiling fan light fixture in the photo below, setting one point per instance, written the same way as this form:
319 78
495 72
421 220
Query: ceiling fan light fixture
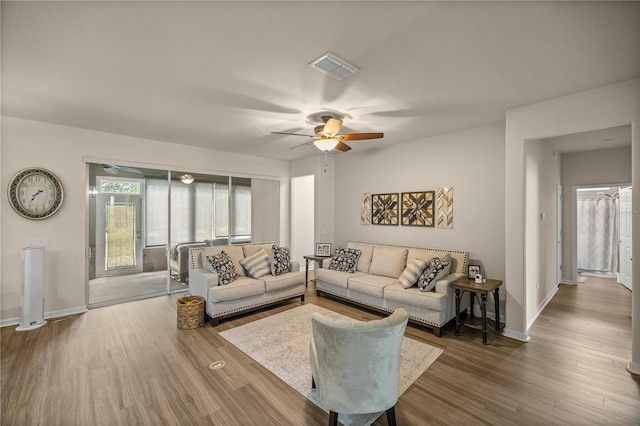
326 144
186 179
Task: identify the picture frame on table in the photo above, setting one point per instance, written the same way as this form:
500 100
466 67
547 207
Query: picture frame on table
473 271
323 249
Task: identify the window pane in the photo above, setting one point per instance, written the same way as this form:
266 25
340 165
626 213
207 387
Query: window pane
156 211
181 209
241 192
221 218
204 210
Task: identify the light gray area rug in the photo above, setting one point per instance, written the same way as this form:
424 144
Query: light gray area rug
280 343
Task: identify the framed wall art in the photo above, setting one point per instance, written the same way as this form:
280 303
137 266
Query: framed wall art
384 209
323 249
418 208
365 209
445 208
473 271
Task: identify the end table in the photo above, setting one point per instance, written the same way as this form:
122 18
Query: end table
317 259
470 285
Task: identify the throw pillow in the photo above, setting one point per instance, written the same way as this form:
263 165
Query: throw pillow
257 265
412 272
345 260
223 266
434 270
281 260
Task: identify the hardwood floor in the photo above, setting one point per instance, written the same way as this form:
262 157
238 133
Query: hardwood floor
129 365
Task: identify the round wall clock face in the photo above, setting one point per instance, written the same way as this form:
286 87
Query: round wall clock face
35 193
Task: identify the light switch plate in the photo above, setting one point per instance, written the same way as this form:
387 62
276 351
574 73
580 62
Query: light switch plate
38 242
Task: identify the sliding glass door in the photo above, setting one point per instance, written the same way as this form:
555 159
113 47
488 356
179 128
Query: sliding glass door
144 221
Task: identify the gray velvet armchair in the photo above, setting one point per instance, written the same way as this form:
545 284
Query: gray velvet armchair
356 364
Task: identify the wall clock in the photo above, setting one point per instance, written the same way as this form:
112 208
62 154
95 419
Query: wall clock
35 193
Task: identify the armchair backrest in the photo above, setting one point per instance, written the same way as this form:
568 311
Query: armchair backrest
356 364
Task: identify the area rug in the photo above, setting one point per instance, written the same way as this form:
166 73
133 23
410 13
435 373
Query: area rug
280 343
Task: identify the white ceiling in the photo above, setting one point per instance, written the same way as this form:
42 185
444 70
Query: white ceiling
224 75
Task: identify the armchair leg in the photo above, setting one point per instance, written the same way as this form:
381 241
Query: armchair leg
391 416
313 383
333 418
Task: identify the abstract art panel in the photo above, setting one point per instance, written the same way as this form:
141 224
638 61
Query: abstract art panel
445 208
365 209
384 209
417 208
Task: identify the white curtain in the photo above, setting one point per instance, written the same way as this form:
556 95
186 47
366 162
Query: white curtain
598 234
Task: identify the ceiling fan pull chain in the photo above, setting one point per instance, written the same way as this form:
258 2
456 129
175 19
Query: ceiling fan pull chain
325 161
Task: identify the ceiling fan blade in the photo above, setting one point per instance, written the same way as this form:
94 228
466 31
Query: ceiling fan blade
292 134
360 136
302 144
332 127
342 147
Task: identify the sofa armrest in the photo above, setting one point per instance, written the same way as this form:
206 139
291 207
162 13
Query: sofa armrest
326 263
294 266
443 285
200 280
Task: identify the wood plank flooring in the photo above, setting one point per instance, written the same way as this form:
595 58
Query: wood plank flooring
129 365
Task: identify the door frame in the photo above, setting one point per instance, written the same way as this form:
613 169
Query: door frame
138 200
574 221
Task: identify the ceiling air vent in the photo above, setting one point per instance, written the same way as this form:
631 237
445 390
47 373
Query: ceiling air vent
333 66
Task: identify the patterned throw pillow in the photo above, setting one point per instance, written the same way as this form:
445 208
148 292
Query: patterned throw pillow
345 260
434 270
257 265
223 266
281 260
412 272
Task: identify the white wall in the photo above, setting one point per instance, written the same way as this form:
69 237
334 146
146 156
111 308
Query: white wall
605 166
63 150
470 161
603 107
542 177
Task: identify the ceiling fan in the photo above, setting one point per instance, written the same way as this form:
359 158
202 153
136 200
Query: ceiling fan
327 138
114 170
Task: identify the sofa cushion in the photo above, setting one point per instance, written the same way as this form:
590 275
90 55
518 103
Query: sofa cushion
235 253
388 261
366 252
256 265
414 297
241 287
371 285
412 272
223 266
337 278
345 260
435 269
281 260
283 281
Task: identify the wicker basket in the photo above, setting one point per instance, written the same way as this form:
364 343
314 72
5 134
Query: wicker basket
190 312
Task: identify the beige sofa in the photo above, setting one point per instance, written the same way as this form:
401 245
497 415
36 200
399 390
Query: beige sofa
375 283
244 293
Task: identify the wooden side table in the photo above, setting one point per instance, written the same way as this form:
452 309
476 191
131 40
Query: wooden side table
317 259
470 285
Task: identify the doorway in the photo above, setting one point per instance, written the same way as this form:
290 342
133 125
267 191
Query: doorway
302 217
118 226
599 231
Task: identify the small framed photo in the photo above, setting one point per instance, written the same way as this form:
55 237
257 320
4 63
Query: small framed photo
323 249
473 271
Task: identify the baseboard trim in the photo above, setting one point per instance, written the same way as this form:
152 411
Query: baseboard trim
567 282
516 335
47 315
633 368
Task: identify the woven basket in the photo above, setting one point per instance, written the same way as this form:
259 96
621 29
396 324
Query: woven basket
190 312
